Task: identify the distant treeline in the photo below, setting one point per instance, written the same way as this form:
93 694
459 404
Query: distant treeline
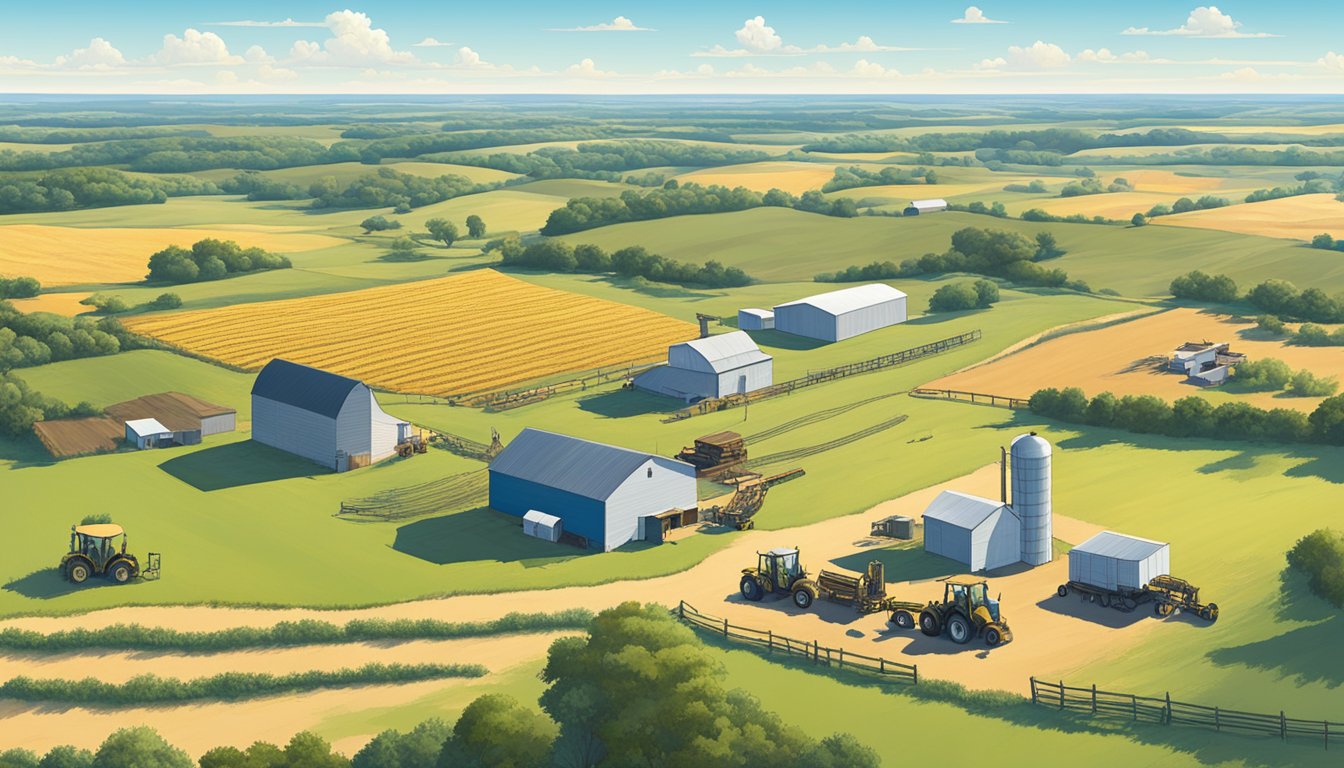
1193 416
392 188
634 261
37 338
73 188
210 259
1277 297
15 134
21 405
605 161
854 176
1055 141
680 200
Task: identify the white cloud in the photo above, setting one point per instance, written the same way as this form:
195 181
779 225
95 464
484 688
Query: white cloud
1106 56
705 69
99 55
618 24
273 74
226 77
1332 60
866 68
1038 55
1204 21
759 39
469 59
258 55
354 42
586 68
1245 75
864 44
974 15
255 23
195 47
430 42
755 35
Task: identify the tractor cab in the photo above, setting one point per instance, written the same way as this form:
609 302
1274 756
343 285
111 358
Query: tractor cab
966 611
99 543
779 571
99 549
971 595
781 567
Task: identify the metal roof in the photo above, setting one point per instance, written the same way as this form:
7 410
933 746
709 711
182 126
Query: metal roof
100 530
147 427
849 299
1030 446
933 202
303 387
764 314
1119 546
962 509
581 467
178 412
727 351
537 516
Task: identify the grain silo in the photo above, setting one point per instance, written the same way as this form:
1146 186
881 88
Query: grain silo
1030 456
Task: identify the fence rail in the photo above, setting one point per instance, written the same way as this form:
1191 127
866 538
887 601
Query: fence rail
979 398
1165 711
713 404
812 651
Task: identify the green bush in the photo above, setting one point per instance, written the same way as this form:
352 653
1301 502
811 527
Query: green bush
379 224
1271 324
634 261
1201 287
166 301
956 297
1320 555
139 747
19 287
210 259
1267 375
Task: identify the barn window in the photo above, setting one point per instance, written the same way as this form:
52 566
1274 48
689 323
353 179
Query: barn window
650 471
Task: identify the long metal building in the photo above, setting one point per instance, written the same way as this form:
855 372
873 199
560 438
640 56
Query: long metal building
1115 561
842 314
605 494
714 366
330 419
982 533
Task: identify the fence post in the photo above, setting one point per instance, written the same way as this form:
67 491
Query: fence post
1061 694
681 610
914 671
1094 698
1217 721
1168 712
1033 690
842 658
816 653
1283 726
725 628
1134 706
1326 723
770 642
882 665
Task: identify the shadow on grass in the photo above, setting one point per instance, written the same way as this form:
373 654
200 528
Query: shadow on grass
1306 654
26 451
938 318
906 562
47 583
235 464
620 403
658 290
476 535
781 340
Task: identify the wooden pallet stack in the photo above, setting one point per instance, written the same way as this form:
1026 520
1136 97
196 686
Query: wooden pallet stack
715 453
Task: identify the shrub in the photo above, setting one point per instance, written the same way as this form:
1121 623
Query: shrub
379 224
19 287
1307 384
1320 556
1267 375
1139 220
1271 324
140 747
957 297
210 259
1201 287
166 301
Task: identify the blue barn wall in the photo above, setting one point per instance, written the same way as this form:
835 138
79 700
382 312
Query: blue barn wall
583 516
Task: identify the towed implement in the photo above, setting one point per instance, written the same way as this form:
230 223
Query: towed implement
747 500
100 550
965 612
1168 594
867 592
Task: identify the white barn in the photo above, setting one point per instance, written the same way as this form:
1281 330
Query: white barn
753 319
982 533
842 314
330 419
917 207
715 366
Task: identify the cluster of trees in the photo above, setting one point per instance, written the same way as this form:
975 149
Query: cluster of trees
415 145
183 154
1271 375
1276 297
41 337
1311 186
1198 286
1052 141
1185 205
379 223
678 200
1320 557
21 405
1312 335
854 176
634 261
391 188
646 179
1194 416
1326 241
606 161
673 710
210 259
258 187
1293 156
67 189
957 297
993 252
34 135
1036 214
19 287
1035 187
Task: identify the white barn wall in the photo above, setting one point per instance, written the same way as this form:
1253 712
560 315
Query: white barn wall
383 441
672 486
214 425
996 541
861 321
352 424
295 430
759 375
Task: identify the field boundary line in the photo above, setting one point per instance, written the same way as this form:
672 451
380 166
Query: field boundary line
975 398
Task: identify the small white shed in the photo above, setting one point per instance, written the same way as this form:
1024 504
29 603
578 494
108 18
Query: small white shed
542 526
1116 562
147 433
753 319
918 207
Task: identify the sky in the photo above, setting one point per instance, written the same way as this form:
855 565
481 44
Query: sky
684 47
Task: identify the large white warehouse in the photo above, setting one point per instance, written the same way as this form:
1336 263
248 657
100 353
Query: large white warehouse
715 366
842 314
330 419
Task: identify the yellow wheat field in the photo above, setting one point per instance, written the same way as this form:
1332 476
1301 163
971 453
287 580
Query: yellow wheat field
66 304
794 178
1301 217
450 336
77 256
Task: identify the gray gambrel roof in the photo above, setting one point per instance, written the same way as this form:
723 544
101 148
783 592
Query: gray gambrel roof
727 351
849 299
303 387
581 467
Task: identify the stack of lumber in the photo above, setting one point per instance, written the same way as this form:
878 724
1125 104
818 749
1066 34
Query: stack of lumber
713 453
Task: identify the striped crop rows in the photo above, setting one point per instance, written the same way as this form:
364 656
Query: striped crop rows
449 336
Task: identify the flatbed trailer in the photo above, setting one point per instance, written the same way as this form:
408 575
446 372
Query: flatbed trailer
1167 594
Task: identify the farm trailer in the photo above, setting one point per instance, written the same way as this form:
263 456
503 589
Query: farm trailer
1124 572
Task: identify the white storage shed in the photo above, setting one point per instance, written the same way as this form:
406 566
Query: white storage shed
1116 562
917 207
147 433
842 314
753 319
542 525
715 366
982 533
330 419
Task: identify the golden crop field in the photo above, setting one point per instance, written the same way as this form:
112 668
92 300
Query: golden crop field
1301 217
794 178
76 256
66 304
454 335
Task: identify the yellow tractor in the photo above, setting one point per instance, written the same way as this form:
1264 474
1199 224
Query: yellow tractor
99 549
779 571
966 612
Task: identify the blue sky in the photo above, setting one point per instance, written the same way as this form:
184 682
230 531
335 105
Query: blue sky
155 46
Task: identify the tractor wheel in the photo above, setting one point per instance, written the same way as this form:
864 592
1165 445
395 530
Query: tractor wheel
119 573
803 597
959 629
903 620
929 625
77 572
751 589
993 637
1163 609
1063 590
1209 613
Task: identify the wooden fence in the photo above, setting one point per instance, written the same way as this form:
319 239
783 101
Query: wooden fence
1165 711
818 654
979 398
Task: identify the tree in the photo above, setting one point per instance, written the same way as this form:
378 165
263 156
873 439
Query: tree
18 758
260 755
442 229
379 224
1323 240
475 227
1138 220
954 297
495 731
19 288
1320 556
1327 421
418 748
308 750
139 747
403 249
66 756
987 293
166 301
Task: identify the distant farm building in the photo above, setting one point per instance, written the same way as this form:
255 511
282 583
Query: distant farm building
985 534
329 419
842 314
755 319
605 495
1206 363
917 207
715 366
178 419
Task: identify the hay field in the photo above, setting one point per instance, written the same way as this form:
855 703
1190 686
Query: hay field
1298 218
449 336
792 177
72 256
1129 359
66 304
